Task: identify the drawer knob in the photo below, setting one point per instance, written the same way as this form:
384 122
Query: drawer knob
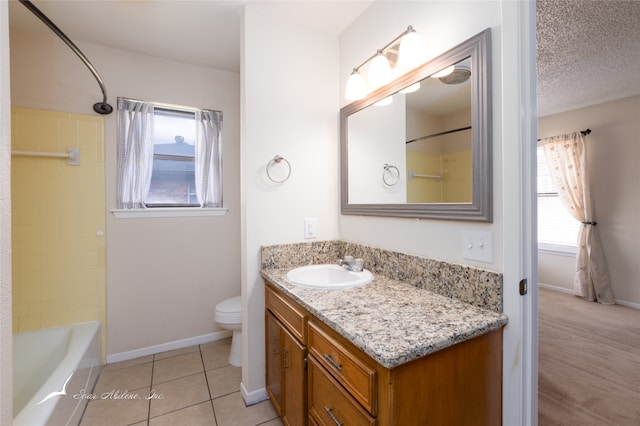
333 417
332 362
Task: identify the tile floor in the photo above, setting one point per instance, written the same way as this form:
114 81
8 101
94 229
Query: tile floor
191 386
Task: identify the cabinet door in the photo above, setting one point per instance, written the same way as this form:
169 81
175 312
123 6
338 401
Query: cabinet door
273 351
295 380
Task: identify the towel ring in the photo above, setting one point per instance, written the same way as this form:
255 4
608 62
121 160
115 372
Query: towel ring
277 160
387 171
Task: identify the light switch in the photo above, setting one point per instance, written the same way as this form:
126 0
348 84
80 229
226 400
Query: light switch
477 245
310 227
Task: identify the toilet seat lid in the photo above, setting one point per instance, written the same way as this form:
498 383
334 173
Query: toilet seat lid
230 306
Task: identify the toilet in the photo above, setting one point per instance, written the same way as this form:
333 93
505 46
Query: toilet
229 316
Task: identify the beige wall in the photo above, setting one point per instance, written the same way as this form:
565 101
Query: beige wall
614 156
58 213
295 115
165 275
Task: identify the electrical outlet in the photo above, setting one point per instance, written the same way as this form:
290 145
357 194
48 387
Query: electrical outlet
310 227
477 245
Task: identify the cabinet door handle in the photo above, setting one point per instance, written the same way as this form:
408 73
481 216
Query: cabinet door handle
333 417
284 354
332 362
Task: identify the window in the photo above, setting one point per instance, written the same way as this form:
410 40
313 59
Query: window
168 156
173 176
557 229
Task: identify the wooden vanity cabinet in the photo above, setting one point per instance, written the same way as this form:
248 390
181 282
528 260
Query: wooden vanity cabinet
286 357
458 385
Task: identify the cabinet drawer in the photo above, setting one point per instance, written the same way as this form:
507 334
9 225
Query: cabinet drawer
351 372
292 315
329 403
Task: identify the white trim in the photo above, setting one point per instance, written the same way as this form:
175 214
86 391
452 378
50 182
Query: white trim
570 291
168 212
556 288
254 397
627 304
557 249
169 346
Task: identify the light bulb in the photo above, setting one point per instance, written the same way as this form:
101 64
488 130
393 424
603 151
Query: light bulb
379 71
356 87
410 89
444 72
385 101
411 53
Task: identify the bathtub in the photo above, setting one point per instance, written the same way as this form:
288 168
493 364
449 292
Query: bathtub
52 369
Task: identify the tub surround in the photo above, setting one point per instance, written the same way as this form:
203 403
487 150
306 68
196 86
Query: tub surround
402 314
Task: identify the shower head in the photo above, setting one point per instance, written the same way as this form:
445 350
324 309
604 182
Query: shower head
102 108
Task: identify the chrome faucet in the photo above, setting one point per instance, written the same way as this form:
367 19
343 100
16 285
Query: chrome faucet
351 264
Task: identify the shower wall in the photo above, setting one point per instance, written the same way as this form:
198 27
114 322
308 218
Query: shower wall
454 167
58 220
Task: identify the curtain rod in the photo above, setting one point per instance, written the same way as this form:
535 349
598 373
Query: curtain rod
446 132
99 107
584 133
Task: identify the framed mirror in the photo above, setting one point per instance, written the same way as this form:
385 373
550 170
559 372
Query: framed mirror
420 147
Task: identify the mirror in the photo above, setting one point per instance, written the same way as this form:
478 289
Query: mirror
423 153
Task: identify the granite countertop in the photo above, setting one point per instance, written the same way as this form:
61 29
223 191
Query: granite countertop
391 321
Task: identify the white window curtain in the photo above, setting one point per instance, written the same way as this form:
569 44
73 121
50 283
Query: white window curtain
135 152
567 158
209 158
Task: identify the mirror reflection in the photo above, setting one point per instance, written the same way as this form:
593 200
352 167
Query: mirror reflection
438 148
422 136
421 146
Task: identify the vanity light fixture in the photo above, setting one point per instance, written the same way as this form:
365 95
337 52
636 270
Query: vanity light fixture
356 86
379 71
410 54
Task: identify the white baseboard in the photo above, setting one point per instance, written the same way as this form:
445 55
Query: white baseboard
169 346
628 304
570 291
254 397
556 288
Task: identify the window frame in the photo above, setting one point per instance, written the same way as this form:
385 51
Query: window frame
177 210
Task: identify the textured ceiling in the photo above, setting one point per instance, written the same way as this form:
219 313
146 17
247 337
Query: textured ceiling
588 53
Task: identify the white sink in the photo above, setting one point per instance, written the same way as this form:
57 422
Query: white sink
328 277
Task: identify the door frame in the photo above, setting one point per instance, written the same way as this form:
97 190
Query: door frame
519 131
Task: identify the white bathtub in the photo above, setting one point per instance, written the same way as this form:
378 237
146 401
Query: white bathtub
52 368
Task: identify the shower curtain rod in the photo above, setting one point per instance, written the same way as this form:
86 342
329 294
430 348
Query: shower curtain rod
584 133
99 107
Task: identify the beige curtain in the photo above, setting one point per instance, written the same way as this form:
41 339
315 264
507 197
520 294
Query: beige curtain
567 158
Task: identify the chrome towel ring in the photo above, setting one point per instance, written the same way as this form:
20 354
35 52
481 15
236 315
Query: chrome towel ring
277 160
393 172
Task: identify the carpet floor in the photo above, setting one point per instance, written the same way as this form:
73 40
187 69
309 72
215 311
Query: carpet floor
589 362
